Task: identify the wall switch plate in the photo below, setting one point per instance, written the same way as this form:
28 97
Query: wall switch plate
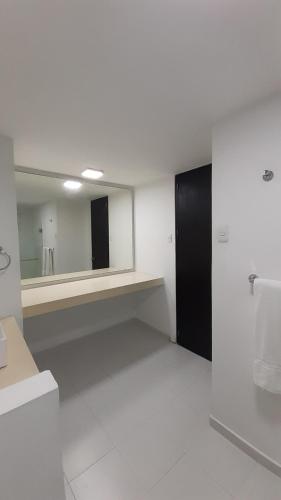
222 234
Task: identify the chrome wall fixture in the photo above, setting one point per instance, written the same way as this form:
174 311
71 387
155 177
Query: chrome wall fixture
251 279
7 258
268 175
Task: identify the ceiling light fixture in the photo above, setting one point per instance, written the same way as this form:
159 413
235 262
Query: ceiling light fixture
72 185
91 173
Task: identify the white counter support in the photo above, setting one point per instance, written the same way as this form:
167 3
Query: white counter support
21 364
30 456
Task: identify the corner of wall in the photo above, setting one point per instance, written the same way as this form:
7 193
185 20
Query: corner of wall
10 304
155 252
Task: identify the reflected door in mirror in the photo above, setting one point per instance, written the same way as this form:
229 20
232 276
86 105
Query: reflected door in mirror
100 233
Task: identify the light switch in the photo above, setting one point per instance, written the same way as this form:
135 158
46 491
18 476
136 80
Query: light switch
222 234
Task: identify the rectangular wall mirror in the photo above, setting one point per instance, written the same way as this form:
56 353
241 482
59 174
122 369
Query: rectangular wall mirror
69 233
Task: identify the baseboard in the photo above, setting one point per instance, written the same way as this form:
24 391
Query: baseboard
245 446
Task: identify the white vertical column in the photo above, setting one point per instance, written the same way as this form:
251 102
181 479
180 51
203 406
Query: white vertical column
30 455
10 304
155 252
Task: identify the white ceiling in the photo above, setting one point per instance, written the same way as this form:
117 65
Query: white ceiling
130 86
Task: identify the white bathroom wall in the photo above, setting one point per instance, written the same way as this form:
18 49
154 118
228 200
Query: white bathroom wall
10 303
66 227
120 221
243 147
155 252
73 236
26 225
29 239
49 222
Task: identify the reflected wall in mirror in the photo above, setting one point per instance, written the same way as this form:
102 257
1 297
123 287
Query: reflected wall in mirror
65 231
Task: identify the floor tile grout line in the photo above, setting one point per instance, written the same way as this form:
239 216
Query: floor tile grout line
146 418
73 494
92 465
214 479
147 490
167 472
100 422
244 481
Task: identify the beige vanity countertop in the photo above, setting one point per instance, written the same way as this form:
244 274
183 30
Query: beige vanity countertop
21 364
42 300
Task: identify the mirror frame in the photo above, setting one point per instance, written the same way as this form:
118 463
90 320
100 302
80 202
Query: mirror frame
80 275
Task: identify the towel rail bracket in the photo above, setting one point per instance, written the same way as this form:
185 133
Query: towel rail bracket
268 175
251 279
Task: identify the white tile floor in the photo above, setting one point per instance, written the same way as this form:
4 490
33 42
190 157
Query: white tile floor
134 423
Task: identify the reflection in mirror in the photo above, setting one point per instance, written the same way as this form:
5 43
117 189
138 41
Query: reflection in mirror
61 230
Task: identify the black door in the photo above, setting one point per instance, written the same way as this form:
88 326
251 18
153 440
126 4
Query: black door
194 260
100 233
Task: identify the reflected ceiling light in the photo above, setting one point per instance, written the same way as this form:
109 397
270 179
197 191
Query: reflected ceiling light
72 185
91 173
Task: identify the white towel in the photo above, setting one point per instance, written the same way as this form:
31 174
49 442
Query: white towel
267 365
44 260
48 261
